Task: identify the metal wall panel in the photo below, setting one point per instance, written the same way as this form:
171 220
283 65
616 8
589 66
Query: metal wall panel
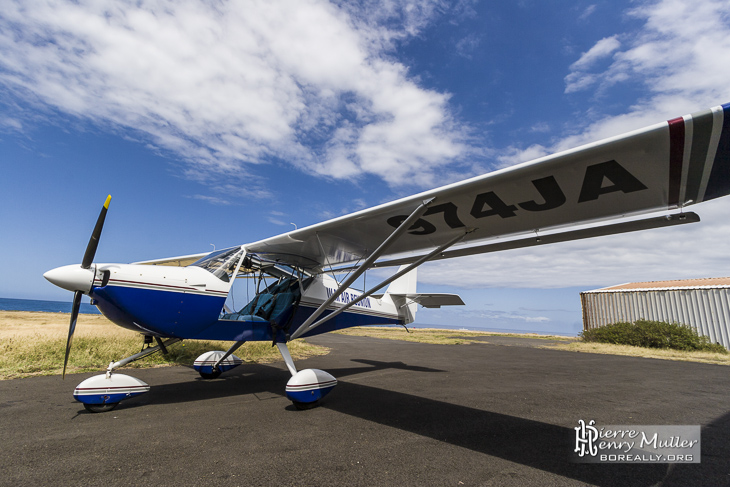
706 309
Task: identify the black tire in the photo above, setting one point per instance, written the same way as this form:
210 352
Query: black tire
211 376
303 406
100 408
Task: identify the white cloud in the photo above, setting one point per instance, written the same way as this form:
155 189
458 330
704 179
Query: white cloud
468 44
11 123
579 79
214 200
588 12
276 221
541 127
678 55
250 187
505 316
227 84
511 155
602 49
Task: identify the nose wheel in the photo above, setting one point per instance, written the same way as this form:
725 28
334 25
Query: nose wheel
210 376
303 406
100 408
102 393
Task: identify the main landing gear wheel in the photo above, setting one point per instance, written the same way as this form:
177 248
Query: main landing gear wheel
100 408
308 386
303 406
210 365
214 375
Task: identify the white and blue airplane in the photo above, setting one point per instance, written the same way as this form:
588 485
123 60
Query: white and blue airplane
567 196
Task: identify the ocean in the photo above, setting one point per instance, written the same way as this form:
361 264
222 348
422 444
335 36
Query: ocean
485 328
7 304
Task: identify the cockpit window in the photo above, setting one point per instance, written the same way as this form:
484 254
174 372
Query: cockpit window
221 263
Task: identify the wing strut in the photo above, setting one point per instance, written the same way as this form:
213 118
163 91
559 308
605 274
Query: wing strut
405 225
301 330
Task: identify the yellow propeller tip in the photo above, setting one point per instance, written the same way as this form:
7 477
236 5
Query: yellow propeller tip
106 203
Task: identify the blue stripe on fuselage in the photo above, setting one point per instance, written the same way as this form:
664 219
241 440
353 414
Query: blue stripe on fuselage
163 313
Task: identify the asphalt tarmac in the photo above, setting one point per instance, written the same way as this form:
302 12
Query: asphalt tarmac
402 414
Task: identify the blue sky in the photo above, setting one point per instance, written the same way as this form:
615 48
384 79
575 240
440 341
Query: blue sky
224 122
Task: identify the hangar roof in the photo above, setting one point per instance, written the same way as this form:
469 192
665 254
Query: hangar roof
709 282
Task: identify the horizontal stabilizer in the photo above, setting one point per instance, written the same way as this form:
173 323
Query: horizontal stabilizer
432 300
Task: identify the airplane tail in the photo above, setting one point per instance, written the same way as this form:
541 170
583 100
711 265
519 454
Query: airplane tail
405 297
405 284
400 292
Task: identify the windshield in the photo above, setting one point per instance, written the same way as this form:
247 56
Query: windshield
221 263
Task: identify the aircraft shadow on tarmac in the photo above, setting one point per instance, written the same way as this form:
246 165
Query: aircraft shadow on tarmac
247 379
538 445
376 365
531 443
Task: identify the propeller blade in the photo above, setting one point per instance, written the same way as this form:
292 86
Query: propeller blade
72 328
94 241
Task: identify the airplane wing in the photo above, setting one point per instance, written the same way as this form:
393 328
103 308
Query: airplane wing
669 165
179 261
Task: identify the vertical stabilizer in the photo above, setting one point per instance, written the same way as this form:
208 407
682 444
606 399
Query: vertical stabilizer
399 290
405 284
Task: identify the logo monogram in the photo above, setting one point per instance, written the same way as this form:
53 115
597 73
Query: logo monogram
585 438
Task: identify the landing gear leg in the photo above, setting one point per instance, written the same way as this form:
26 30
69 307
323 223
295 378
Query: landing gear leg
212 364
147 351
284 351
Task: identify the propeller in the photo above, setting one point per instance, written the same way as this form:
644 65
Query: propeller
85 264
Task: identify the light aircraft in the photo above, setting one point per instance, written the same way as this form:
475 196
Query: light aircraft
667 166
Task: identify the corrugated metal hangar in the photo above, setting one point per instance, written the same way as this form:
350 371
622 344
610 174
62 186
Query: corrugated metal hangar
701 303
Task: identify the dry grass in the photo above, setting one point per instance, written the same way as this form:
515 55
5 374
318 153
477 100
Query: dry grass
664 354
27 323
34 344
432 335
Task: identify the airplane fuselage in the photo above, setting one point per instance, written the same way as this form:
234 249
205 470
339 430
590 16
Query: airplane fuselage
187 302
